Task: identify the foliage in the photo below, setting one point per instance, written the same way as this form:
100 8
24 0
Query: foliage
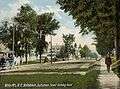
26 27
61 53
68 41
97 16
116 67
85 51
93 55
46 25
74 49
7 36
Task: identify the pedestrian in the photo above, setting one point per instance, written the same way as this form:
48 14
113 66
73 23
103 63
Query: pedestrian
2 62
108 62
11 60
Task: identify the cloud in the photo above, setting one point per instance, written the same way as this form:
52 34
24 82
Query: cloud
22 2
79 39
11 9
49 9
67 26
56 10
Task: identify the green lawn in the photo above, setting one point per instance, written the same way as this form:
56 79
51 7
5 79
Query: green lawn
59 70
88 81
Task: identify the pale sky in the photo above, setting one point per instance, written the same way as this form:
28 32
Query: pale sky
9 9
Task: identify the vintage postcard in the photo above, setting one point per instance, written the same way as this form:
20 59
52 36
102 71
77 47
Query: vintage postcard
59 44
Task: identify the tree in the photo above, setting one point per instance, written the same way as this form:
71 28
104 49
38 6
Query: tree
6 36
61 53
26 24
93 55
104 46
68 41
30 30
4 32
46 25
74 51
99 16
85 51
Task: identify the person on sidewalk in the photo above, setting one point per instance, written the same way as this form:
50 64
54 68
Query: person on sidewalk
108 62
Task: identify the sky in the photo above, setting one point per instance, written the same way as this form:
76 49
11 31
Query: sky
9 9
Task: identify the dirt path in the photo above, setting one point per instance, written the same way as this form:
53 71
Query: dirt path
72 64
58 65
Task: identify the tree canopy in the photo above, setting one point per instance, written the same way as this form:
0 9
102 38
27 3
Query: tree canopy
46 25
68 42
98 16
28 30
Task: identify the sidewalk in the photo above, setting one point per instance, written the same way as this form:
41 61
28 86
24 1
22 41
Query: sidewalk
108 80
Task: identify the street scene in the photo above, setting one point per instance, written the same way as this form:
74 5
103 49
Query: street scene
59 44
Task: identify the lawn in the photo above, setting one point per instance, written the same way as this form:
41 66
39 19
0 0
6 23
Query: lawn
88 81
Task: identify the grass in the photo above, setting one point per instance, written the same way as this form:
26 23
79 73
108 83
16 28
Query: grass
117 71
34 62
88 81
116 67
29 62
57 69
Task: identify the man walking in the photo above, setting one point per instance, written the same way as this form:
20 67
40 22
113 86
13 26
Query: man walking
108 62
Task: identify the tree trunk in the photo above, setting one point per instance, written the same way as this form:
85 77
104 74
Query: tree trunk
40 57
117 30
20 60
26 56
118 46
51 49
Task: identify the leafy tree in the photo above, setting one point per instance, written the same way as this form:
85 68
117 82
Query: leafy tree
74 51
104 46
4 31
68 41
26 24
61 53
30 31
99 16
85 51
46 25
6 36
93 55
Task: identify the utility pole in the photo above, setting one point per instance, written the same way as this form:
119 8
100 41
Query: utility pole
40 39
13 46
51 47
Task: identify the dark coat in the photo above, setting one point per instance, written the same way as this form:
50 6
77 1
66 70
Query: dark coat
108 61
2 61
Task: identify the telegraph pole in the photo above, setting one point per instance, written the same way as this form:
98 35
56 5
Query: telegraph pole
40 40
13 46
51 47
